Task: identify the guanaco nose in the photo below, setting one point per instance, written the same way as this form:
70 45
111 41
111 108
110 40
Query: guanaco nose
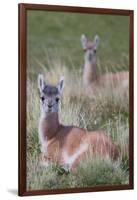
90 56
49 106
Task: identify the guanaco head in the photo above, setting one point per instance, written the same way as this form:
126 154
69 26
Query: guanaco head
90 47
49 95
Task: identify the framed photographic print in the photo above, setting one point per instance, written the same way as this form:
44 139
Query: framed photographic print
75 99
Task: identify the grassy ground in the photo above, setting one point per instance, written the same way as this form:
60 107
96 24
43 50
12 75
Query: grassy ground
54 49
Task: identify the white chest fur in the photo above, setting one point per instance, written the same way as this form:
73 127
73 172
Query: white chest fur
69 160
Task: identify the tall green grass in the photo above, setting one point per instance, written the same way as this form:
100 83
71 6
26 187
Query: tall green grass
54 49
109 113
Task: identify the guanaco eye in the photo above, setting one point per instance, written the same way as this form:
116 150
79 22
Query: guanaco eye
57 99
95 50
42 98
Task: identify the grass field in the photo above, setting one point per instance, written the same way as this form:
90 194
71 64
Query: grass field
54 49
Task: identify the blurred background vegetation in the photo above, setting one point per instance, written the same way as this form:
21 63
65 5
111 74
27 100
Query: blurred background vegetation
54 48
59 34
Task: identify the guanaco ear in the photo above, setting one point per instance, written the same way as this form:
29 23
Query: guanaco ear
84 41
96 41
60 85
41 82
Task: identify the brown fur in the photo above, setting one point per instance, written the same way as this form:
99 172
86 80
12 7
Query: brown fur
61 138
67 145
116 81
93 81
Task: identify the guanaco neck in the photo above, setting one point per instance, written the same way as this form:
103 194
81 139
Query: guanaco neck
90 72
49 126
